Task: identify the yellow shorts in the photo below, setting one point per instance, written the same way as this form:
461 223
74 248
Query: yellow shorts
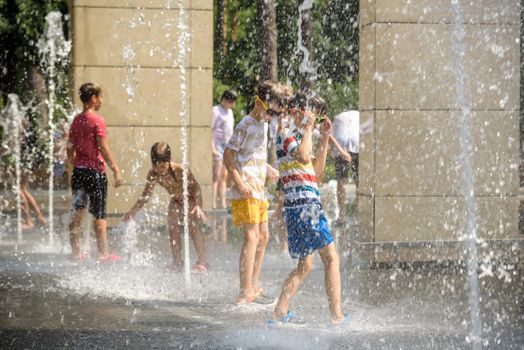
249 211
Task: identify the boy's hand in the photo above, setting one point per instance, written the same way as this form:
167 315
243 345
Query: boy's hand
346 156
309 119
197 213
246 190
326 127
272 173
118 179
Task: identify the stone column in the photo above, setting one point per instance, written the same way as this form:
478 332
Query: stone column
130 48
411 170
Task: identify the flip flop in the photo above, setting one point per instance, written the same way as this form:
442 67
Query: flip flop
111 257
289 319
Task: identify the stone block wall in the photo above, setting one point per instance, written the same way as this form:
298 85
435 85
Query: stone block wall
130 48
411 163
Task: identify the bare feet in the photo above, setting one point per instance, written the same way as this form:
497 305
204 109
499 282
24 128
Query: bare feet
175 267
27 226
41 219
248 298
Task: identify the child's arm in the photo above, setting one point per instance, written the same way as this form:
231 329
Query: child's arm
106 153
271 173
196 193
229 162
70 149
142 200
303 152
342 151
319 162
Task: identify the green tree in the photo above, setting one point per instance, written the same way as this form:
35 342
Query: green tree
334 31
21 25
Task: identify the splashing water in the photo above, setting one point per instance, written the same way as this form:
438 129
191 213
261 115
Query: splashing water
305 67
128 54
54 52
464 107
183 38
12 117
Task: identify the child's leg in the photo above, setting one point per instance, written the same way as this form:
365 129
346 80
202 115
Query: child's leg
341 199
174 235
263 238
291 284
34 204
216 180
281 225
74 230
28 221
247 260
198 241
221 190
100 226
331 262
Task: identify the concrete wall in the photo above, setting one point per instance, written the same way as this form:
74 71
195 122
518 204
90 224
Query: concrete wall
411 186
131 45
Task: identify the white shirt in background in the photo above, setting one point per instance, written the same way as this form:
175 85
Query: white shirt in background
222 126
346 131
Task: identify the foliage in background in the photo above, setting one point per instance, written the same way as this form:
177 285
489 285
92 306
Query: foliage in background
22 24
335 42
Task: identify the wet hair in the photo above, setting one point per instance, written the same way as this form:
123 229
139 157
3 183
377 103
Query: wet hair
229 95
318 105
308 100
89 90
270 92
160 152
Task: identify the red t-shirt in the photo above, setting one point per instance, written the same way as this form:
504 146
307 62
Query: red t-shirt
86 127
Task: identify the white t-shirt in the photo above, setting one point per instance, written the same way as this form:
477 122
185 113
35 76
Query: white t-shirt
250 141
346 131
222 125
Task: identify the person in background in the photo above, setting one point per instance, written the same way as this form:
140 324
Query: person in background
222 126
346 126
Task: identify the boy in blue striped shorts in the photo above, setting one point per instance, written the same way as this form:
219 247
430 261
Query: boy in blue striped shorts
307 227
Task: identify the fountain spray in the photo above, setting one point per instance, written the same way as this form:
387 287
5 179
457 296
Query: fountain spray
464 109
54 52
12 116
183 38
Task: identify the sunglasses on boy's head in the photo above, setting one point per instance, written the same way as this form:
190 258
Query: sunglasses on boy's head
269 111
318 118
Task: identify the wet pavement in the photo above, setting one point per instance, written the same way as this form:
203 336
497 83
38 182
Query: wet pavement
50 302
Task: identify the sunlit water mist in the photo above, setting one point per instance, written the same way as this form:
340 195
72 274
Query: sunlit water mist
54 53
182 45
306 67
464 107
12 116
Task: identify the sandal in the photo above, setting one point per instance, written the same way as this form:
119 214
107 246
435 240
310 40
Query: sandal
290 319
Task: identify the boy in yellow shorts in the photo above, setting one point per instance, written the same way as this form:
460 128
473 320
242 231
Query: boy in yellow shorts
245 158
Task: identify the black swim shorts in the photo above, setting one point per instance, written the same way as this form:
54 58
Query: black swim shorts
342 167
90 184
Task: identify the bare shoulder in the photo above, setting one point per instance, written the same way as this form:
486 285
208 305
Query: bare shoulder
177 167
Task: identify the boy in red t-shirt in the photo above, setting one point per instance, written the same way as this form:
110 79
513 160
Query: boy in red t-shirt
87 150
